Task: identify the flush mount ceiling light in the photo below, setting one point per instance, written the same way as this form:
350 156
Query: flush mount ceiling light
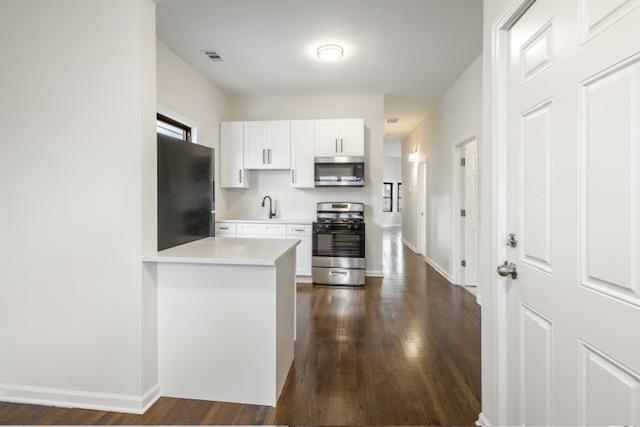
330 52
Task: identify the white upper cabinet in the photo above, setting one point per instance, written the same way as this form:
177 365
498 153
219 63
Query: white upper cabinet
280 154
340 137
256 140
352 137
303 137
327 136
232 172
267 145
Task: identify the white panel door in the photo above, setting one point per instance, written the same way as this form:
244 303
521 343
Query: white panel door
328 133
421 210
470 220
279 149
351 137
232 172
573 200
303 136
256 144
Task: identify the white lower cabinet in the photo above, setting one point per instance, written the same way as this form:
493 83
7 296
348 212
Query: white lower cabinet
261 230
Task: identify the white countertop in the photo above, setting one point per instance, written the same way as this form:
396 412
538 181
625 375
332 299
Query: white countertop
268 221
225 251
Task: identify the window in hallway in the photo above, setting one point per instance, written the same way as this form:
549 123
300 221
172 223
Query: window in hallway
387 197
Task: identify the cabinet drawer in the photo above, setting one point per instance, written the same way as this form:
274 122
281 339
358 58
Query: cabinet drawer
261 229
225 229
294 230
275 230
250 228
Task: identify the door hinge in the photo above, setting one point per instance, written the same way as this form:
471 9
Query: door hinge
463 162
463 212
463 263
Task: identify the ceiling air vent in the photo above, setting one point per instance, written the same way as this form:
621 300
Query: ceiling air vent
393 120
213 55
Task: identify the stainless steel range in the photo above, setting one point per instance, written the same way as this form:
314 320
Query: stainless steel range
338 244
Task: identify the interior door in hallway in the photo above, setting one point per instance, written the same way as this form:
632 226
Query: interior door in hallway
573 201
469 194
421 210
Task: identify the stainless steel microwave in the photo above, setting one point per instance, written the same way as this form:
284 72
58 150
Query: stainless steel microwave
339 171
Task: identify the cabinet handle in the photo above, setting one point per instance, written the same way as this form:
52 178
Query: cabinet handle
269 154
341 145
298 230
224 228
336 145
293 176
263 161
240 175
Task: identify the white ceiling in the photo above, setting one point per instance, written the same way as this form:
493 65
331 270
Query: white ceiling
412 50
409 110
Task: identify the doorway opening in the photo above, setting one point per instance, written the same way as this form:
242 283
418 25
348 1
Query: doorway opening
466 214
421 209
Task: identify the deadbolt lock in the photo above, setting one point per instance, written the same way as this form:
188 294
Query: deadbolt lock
512 241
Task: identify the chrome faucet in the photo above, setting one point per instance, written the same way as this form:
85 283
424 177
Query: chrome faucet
272 212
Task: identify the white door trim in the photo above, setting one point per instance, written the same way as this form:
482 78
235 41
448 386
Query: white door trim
423 196
494 351
456 246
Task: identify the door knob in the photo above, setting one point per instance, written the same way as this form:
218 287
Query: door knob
508 269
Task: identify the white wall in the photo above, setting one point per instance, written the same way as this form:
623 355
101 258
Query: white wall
301 203
393 174
456 117
76 181
417 140
186 92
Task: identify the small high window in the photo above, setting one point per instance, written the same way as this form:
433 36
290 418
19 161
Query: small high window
170 127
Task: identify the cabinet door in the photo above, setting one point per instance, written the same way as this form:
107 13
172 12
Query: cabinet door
352 138
303 136
327 136
303 257
232 172
279 149
256 144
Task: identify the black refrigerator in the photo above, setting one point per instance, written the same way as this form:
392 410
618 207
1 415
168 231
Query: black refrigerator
185 192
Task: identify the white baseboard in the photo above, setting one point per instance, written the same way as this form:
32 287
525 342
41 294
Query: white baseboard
482 421
439 269
409 245
111 402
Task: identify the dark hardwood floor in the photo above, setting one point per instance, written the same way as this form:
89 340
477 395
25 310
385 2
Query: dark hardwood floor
403 350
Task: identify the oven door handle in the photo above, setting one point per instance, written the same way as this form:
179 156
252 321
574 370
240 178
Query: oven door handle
341 233
334 272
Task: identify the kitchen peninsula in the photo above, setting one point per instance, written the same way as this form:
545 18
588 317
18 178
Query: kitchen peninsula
226 318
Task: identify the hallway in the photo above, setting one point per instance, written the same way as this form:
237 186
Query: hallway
403 350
